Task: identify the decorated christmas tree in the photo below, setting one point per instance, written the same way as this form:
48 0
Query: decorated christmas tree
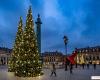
29 64
17 49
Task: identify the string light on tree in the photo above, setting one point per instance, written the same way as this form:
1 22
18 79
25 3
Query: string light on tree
17 48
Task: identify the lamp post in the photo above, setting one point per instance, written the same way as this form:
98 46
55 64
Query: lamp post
65 42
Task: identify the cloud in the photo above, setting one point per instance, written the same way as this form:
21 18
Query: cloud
79 20
50 9
25 5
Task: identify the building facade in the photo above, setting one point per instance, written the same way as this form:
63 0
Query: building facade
88 55
4 55
53 57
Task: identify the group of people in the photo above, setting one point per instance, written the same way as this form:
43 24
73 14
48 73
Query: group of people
70 66
88 65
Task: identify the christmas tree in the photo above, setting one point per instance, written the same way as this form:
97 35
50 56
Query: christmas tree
30 64
17 49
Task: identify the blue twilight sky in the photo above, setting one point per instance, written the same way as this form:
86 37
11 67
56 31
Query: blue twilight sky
78 19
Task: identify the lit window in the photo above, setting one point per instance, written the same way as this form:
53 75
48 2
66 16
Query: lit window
93 50
86 50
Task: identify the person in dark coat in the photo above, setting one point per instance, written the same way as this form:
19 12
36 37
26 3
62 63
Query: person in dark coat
94 65
2 61
88 65
83 65
71 68
76 65
53 70
67 62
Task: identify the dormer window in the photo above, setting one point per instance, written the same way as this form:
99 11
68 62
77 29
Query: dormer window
86 50
93 50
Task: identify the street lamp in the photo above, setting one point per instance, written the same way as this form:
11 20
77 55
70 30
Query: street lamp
65 42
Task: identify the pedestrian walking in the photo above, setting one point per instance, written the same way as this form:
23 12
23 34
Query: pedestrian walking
94 65
88 65
53 70
67 62
76 65
71 68
83 65
1 61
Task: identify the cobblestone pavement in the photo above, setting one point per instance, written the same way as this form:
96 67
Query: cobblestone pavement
78 74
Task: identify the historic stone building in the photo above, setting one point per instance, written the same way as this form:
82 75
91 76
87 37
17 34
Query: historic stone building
53 57
88 55
4 55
